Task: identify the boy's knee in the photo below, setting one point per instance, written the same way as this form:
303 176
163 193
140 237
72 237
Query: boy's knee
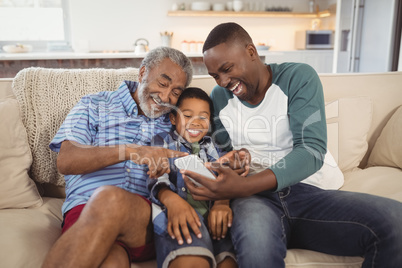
190 261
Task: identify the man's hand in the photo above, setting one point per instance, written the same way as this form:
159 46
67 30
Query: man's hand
238 160
180 215
228 183
156 158
220 219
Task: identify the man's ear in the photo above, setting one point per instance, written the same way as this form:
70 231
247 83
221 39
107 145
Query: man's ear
172 118
252 51
141 73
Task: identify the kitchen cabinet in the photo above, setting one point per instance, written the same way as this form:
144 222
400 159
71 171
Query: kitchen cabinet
320 60
254 14
12 63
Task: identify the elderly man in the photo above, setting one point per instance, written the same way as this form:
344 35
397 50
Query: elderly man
105 153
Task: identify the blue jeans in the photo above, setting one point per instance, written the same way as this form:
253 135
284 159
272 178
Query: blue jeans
303 216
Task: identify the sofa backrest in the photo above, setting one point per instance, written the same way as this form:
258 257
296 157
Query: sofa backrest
383 89
5 88
46 96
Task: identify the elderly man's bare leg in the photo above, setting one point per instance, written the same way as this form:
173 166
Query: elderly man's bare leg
111 214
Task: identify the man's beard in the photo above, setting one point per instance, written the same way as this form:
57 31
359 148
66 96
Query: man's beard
151 110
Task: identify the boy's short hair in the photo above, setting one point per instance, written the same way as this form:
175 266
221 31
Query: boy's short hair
194 93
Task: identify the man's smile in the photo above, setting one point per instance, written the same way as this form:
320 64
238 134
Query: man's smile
156 100
237 88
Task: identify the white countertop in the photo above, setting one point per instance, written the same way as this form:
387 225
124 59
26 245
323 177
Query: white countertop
107 55
76 55
67 55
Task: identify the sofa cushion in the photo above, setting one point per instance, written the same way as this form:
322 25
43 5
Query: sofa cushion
28 234
298 258
307 258
381 181
46 96
348 122
387 150
17 190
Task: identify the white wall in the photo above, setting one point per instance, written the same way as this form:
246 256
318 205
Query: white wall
115 25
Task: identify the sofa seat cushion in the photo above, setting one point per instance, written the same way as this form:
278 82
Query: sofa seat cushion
28 234
307 258
382 181
298 258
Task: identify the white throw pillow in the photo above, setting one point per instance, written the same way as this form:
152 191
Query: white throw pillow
348 123
17 190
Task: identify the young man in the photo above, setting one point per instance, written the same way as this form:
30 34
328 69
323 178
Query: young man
276 111
104 150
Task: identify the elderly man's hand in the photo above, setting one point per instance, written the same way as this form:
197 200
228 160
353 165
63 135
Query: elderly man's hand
156 158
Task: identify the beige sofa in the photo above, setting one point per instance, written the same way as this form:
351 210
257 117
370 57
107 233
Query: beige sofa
362 114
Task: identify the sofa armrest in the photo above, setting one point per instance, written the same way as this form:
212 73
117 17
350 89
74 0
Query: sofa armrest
5 88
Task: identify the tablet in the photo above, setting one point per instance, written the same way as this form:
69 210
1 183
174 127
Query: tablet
195 164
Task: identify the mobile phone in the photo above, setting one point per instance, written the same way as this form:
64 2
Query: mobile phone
195 164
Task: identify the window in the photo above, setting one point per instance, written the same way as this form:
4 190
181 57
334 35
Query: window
44 24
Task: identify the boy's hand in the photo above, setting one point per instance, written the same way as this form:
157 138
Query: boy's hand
180 215
220 219
238 160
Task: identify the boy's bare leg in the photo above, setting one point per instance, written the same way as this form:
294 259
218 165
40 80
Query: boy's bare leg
110 214
228 262
190 261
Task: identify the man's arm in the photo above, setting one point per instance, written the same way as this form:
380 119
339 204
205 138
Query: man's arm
306 111
75 158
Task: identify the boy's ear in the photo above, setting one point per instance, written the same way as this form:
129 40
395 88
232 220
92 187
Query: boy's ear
172 118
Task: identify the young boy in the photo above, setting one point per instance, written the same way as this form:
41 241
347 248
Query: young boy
174 209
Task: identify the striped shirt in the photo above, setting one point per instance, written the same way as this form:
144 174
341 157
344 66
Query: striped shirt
108 118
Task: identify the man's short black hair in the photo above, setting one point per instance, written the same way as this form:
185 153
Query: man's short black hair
226 33
194 93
